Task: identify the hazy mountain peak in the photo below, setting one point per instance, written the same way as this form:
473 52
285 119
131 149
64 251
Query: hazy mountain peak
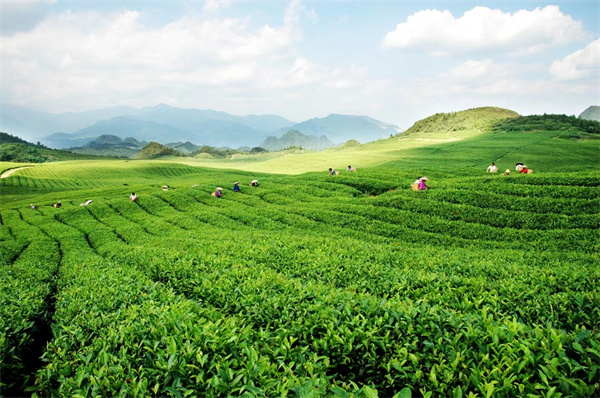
296 138
341 128
591 113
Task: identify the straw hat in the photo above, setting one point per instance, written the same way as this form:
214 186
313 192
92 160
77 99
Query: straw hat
254 181
236 183
424 178
219 189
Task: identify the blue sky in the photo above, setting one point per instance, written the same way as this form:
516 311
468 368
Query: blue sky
396 61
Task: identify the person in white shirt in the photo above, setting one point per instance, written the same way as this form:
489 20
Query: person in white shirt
492 168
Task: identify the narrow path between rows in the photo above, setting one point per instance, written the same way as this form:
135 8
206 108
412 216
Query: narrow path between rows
7 173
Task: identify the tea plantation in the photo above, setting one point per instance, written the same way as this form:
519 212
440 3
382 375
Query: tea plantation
308 285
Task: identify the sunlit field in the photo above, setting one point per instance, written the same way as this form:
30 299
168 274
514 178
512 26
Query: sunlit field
309 284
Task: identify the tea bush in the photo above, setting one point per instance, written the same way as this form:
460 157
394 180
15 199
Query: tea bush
310 285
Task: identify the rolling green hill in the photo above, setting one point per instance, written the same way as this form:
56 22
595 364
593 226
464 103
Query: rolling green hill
155 150
461 124
14 149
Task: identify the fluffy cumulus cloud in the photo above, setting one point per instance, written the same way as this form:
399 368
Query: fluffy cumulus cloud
581 64
485 29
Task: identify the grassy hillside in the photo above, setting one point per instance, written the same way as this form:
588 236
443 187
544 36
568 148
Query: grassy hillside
309 285
467 140
461 124
155 150
14 149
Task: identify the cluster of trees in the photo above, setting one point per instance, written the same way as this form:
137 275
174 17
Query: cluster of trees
21 153
570 125
15 149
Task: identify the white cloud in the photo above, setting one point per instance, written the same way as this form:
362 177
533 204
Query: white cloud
484 29
89 53
581 64
76 61
472 70
214 5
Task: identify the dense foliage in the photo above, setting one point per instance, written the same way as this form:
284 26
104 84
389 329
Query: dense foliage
29 153
11 139
15 149
568 125
309 285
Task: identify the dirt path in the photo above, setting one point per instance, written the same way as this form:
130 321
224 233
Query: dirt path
7 173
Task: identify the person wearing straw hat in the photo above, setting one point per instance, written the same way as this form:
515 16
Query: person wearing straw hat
254 183
422 185
218 193
236 187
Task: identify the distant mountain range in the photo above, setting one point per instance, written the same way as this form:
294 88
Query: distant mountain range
342 128
164 124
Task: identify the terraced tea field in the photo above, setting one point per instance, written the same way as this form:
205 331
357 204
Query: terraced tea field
308 285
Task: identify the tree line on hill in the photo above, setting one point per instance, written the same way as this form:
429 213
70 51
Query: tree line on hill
15 149
569 126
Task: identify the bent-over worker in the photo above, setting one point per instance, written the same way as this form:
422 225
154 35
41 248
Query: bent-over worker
218 193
